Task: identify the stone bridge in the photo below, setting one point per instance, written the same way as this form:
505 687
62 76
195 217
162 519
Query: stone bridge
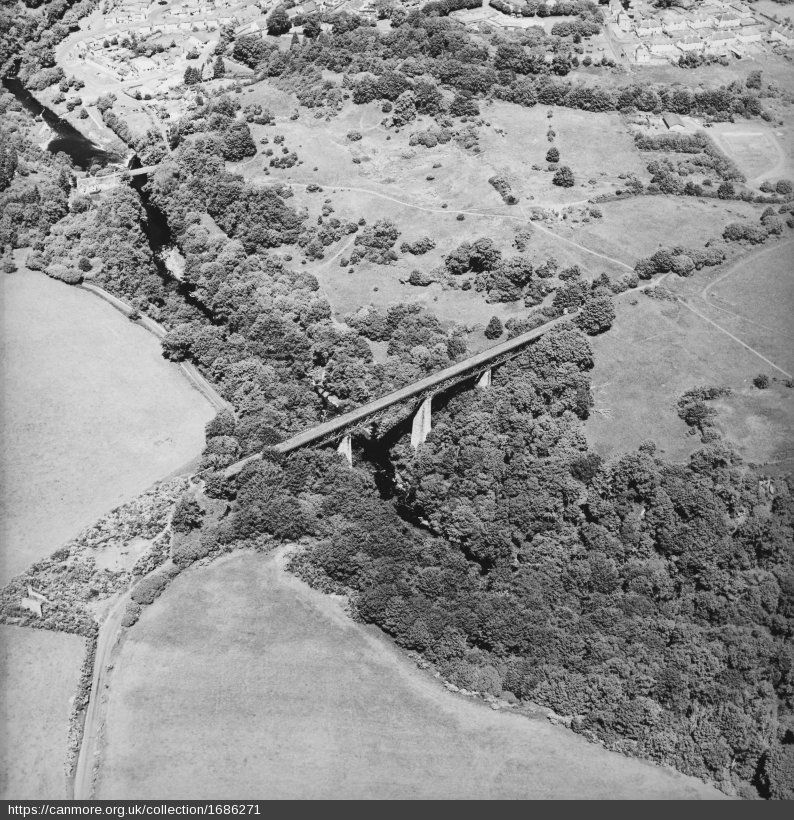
414 400
93 185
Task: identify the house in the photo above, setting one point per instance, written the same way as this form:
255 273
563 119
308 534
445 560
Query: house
642 55
624 21
33 602
781 35
662 47
690 43
674 24
720 42
673 122
728 21
701 21
750 34
648 27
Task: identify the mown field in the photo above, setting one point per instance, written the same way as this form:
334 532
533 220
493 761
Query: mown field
240 680
97 415
39 672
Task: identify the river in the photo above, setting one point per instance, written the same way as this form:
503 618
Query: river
91 412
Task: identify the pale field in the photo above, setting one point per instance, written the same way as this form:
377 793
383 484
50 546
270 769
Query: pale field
595 146
39 673
776 68
92 414
638 226
754 298
761 151
782 12
657 350
241 681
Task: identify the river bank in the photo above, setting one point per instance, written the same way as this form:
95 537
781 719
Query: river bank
97 415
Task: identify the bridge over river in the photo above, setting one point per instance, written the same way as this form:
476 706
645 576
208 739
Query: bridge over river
412 400
93 185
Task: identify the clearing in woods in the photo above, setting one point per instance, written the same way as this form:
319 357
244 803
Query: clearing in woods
242 680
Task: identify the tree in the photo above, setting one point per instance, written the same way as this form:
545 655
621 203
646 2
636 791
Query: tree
596 316
218 68
187 514
8 161
784 187
552 155
278 22
251 50
494 329
192 75
464 105
238 142
311 27
761 381
726 190
563 177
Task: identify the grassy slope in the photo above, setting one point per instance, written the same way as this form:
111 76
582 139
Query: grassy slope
241 680
39 672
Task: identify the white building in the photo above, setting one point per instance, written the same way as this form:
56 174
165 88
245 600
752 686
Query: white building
701 21
662 47
648 27
750 34
781 35
674 24
690 43
728 21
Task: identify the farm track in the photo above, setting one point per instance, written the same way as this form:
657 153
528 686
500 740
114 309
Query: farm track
455 211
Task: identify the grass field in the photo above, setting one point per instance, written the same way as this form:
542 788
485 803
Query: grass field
656 350
242 681
91 412
39 672
423 190
631 228
761 151
754 297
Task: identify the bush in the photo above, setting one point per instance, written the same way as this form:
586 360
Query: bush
563 177
186 551
420 278
494 329
150 588
552 155
761 381
131 614
187 515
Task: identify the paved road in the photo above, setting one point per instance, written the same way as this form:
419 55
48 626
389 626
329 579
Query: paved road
89 747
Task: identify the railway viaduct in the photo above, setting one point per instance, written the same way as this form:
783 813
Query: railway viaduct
412 401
